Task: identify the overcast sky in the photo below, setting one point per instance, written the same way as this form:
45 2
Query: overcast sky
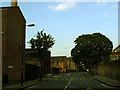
65 21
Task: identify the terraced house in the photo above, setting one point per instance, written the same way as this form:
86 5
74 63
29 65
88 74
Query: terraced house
62 64
59 63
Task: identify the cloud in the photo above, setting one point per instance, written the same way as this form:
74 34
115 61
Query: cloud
101 3
115 6
67 45
111 15
63 6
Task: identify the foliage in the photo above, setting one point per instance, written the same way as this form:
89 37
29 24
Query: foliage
32 42
42 41
91 48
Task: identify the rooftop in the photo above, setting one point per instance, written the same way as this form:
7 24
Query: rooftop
58 56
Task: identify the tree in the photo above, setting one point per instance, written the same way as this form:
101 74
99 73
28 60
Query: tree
42 43
32 43
91 49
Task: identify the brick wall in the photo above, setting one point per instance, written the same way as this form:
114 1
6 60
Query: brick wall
111 70
31 57
12 26
61 61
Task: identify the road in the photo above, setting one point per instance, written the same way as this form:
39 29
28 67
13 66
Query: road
72 80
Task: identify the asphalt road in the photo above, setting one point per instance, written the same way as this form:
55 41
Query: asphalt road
72 80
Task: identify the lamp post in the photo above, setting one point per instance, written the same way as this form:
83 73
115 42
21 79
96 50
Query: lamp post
22 60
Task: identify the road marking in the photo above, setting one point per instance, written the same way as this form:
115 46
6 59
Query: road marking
67 85
106 85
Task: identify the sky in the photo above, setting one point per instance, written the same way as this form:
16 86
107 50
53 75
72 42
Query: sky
65 21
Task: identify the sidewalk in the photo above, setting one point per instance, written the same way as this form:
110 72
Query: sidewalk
27 83
107 81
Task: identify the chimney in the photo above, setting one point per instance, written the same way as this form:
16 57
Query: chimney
13 3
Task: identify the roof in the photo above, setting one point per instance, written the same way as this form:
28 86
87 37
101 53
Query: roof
58 57
15 8
35 51
117 47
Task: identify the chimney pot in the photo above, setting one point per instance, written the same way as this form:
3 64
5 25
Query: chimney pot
13 3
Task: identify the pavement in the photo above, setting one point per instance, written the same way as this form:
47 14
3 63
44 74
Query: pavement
26 84
107 81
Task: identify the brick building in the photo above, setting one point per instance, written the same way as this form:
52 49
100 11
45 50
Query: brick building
31 64
13 48
62 63
59 62
13 40
115 54
71 65
32 61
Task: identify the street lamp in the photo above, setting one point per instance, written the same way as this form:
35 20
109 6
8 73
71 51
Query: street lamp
30 25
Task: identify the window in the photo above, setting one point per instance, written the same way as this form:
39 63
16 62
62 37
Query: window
119 57
60 61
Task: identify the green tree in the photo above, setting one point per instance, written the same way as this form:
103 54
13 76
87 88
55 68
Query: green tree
42 43
32 43
91 49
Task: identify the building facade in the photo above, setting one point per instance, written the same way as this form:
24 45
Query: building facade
71 65
59 62
32 61
13 41
32 64
115 54
62 63
15 59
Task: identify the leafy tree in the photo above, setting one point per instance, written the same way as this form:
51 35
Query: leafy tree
91 49
32 43
42 42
